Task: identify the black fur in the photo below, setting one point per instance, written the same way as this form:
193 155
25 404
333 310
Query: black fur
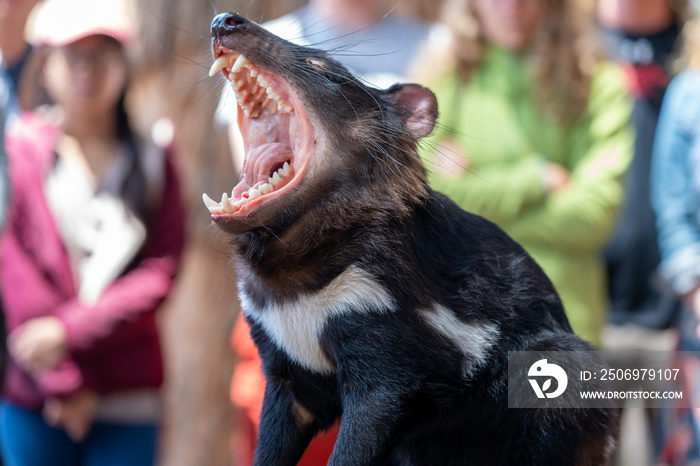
396 383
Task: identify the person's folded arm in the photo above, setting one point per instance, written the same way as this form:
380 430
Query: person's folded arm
581 216
498 190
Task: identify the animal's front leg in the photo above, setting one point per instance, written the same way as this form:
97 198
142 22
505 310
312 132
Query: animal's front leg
286 428
369 427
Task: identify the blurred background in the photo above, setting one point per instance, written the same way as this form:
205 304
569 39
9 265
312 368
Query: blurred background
172 97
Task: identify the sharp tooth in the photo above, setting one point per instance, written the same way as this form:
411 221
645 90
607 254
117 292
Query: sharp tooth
226 204
262 81
212 205
286 168
276 179
239 63
209 202
218 65
253 72
265 188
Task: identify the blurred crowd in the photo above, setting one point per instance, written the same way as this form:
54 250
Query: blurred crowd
572 124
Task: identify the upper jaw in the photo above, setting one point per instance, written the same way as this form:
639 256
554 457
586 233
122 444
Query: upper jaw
277 133
255 89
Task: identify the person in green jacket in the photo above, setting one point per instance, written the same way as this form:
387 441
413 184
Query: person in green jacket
534 135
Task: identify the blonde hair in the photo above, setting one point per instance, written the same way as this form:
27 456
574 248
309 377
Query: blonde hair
565 51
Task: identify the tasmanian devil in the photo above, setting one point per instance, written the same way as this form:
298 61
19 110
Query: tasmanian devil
370 297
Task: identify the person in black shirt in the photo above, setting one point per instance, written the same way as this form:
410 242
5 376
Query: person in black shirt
642 37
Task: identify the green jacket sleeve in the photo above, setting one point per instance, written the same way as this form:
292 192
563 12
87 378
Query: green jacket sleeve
581 216
499 191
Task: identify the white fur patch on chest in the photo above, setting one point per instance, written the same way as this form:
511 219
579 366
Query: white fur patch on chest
473 340
295 327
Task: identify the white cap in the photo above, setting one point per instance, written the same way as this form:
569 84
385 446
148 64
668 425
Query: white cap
61 22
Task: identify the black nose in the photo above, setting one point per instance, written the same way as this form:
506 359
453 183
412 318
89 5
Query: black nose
226 23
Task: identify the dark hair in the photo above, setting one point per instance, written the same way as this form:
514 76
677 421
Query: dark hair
33 96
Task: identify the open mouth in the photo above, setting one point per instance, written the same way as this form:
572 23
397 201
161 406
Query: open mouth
277 135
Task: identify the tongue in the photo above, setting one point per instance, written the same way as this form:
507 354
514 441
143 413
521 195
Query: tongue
259 165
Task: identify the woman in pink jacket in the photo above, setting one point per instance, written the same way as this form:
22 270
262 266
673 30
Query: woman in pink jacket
91 248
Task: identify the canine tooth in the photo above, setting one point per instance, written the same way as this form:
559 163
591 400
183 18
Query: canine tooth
225 203
254 194
238 64
276 179
218 65
285 169
209 202
265 188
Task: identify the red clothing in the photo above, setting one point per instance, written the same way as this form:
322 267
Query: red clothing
113 345
247 392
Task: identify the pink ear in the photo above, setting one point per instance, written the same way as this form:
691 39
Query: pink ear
418 106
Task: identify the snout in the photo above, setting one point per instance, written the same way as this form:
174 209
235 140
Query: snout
225 24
